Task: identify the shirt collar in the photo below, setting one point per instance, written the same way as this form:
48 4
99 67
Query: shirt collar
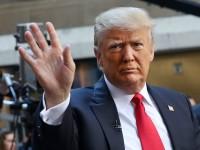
118 95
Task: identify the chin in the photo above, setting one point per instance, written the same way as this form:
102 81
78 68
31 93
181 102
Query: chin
134 82
132 78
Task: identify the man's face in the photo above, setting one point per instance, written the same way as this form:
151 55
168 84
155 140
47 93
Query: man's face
125 56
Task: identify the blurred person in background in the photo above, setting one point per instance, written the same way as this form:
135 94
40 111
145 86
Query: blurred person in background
192 100
7 141
196 109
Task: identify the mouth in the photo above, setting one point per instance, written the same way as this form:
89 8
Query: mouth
129 70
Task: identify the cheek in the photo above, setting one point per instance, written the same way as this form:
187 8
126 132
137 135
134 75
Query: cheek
145 67
143 63
111 61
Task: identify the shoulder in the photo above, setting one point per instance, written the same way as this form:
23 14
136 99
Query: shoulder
173 98
81 95
82 91
169 96
165 91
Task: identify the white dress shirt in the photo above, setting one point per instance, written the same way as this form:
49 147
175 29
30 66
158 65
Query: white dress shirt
127 117
54 115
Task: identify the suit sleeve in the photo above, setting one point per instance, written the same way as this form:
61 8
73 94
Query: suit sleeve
49 137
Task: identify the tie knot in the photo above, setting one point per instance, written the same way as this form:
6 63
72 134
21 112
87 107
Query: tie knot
137 98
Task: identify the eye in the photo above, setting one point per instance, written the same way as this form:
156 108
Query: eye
137 45
116 46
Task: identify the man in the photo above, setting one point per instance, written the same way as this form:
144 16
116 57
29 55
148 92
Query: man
121 112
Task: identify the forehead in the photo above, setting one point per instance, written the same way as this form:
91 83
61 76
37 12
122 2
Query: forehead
9 136
124 34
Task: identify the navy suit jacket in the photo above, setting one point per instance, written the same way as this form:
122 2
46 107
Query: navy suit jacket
89 122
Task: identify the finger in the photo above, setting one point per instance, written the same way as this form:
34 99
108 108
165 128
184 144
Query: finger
68 59
53 35
32 43
25 56
39 36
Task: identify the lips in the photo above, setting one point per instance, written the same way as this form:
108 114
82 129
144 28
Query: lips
129 70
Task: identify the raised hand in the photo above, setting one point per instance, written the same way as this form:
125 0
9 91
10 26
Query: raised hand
53 65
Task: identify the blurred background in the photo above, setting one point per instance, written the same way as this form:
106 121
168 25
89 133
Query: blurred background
176 63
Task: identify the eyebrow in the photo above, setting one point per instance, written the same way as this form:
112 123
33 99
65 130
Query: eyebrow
114 38
121 40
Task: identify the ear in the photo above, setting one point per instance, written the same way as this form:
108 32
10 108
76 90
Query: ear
97 53
152 52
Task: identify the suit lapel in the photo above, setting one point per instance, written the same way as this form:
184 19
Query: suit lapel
106 113
167 109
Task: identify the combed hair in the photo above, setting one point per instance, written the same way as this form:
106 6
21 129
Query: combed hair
121 17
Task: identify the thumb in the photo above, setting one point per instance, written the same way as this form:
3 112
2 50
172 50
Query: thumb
67 57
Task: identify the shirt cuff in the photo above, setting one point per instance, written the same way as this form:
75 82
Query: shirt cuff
54 115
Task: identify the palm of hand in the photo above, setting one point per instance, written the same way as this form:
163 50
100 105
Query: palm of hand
52 65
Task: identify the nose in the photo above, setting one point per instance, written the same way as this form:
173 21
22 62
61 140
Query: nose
128 54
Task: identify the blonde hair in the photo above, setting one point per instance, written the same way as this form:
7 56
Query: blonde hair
121 17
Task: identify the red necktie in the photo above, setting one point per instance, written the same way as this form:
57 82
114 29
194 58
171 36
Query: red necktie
149 137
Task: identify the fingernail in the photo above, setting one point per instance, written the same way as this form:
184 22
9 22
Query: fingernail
68 45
